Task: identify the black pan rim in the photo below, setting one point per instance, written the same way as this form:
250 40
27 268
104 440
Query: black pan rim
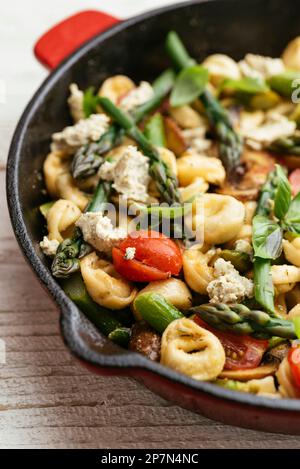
128 360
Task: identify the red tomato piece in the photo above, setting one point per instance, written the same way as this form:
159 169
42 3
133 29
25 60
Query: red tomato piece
156 257
294 179
242 352
294 361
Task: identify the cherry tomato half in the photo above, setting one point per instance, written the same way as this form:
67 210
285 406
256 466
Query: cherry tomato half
294 179
242 352
156 257
294 361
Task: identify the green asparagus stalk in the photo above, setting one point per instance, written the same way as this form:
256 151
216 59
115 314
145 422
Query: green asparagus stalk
240 319
101 317
267 194
286 145
230 143
66 260
165 180
89 158
283 83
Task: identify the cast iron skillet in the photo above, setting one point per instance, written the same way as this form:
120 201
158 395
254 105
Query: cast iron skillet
135 48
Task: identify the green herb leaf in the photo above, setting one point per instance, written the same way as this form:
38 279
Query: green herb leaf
296 322
266 238
189 85
263 285
154 130
291 220
247 85
90 102
283 194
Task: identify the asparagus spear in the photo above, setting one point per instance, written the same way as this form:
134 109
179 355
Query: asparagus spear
165 180
89 158
286 145
66 260
240 319
230 143
267 194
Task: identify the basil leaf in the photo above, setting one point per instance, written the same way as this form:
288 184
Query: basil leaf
266 238
90 102
189 85
283 194
263 285
248 85
291 220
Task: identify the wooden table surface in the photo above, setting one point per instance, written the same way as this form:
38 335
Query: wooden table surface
46 399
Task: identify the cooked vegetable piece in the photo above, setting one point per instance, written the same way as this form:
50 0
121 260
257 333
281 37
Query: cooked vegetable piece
165 181
66 260
154 130
174 136
286 145
240 260
44 208
189 85
156 257
294 179
294 361
284 82
253 373
242 320
242 352
101 317
156 311
145 340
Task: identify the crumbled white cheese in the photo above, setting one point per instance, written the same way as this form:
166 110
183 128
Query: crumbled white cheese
195 138
229 286
75 102
49 246
137 96
129 173
258 66
276 126
129 254
98 230
85 131
242 245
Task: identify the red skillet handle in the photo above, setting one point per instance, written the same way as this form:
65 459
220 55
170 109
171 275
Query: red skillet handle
65 37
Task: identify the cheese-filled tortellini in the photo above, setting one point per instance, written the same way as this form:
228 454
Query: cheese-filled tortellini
187 117
291 251
61 219
198 186
175 291
223 218
67 189
55 164
294 312
285 275
104 284
197 271
192 165
291 54
192 350
116 87
221 66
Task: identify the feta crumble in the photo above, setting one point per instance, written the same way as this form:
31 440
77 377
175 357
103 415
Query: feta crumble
259 66
276 126
129 254
75 102
229 286
129 173
83 132
49 246
98 230
137 96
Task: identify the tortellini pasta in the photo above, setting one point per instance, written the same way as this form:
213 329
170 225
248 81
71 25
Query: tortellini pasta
221 66
285 379
192 350
169 158
192 165
285 274
54 165
116 87
67 189
223 218
197 271
187 117
291 54
104 284
175 291
294 312
291 251
61 219
198 186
